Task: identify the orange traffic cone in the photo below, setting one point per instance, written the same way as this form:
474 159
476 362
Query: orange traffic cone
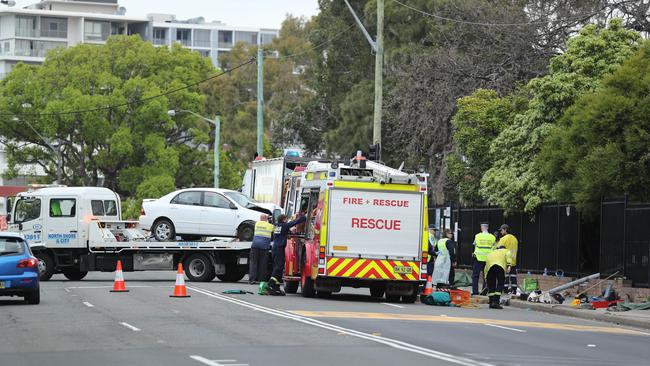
179 289
428 289
119 285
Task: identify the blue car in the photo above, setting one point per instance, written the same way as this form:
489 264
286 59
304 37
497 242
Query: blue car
18 269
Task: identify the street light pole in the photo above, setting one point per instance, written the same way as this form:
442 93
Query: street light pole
260 101
217 138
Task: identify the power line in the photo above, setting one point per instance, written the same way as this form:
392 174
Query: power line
125 104
460 21
314 47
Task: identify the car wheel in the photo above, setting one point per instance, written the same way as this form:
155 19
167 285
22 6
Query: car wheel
199 268
75 274
291 287
163 230
45 266
246 231
33 297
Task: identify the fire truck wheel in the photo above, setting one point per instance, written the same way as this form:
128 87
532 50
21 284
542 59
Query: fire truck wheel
324 294
306 286
377 291
392 298
75 274
291 287
409 299
45 266
198 268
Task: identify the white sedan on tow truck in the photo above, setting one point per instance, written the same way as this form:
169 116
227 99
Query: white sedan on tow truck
202 212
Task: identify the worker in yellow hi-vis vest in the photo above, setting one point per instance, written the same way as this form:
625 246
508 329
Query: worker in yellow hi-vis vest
510 242
483 245
497 264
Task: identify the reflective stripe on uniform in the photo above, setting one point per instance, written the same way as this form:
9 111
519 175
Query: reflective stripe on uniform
442 246
264 229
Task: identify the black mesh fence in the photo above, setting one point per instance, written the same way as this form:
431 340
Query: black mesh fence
557 238
549 240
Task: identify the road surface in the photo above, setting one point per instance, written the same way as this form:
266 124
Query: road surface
82 323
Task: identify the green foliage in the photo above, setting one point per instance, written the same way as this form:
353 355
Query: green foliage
356 121
478 121
131 146
514 181
602 145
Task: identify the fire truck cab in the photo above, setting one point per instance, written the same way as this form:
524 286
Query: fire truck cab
366 227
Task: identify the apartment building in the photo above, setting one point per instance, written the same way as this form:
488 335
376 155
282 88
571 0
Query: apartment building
27 34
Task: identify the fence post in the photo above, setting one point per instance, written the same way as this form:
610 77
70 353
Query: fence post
557 238
625 236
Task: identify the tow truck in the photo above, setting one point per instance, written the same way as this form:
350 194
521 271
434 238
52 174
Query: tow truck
366 227
74 230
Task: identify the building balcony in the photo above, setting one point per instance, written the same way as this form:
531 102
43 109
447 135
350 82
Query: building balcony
159 41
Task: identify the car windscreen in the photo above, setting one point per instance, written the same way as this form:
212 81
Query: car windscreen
10 246
241 199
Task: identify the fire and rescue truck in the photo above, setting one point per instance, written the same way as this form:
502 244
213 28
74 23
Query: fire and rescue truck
366 227
74 230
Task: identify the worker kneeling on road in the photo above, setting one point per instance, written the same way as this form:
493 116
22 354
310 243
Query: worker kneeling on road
279 243
497 263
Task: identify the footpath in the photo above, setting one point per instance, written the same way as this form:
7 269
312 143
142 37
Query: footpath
632 318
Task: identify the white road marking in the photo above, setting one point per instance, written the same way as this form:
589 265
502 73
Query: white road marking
100 287
591 345
216 362
394 343
506 328
393 305
88 304
130 326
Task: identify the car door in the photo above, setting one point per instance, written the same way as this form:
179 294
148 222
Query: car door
185 212
62 222
218 217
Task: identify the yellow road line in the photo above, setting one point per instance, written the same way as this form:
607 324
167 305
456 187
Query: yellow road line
450 319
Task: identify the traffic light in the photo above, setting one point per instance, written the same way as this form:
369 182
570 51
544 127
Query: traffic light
374 152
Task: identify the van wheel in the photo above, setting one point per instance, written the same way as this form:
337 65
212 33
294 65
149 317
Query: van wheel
45 266
246 231
199 268
75 274
33 297
163 230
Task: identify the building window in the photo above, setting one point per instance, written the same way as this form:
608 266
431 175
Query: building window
246 37
204 53
267 38
26 27
117 28
183 36
96 31
159 36
54 27
201 38
225 39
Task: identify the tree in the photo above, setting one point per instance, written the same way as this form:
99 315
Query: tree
135 146
478 121
601 147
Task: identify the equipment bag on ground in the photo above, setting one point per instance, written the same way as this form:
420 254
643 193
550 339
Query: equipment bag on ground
438 298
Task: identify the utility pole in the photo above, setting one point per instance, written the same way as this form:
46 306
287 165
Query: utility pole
260 101
379 76
217 148
378 47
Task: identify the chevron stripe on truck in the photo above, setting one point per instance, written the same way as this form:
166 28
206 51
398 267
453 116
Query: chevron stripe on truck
373 269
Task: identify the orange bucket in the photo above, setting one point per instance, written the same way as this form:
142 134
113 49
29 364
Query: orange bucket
459 297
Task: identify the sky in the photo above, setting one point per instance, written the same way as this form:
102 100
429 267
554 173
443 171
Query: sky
245 13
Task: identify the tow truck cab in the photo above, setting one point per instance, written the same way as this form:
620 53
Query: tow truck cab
366 227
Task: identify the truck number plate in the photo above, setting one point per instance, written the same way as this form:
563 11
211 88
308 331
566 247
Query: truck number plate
402 270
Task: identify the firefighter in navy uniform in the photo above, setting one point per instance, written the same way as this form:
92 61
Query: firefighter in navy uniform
279 243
